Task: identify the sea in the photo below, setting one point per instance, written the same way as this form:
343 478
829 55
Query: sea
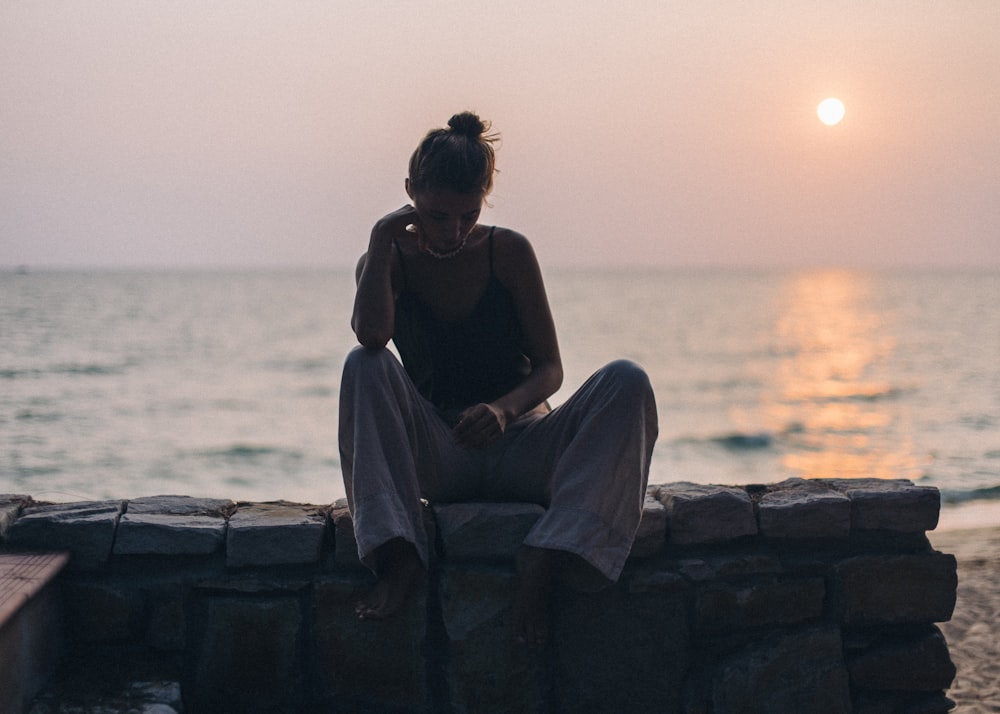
224 384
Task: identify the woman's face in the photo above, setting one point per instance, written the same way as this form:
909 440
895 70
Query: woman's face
446 217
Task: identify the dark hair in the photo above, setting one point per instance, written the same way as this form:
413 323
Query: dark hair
459 158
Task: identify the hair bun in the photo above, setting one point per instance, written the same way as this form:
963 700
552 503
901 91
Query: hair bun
467 124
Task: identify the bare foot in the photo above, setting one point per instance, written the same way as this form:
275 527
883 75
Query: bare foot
531 601
399 568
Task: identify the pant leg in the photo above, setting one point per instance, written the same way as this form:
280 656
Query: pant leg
394 450
588 463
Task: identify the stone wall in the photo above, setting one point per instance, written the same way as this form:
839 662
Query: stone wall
805 596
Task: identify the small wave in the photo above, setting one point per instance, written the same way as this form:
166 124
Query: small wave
849 393
740 442
69 368
13 373
29 415
249 452
954 496
86 369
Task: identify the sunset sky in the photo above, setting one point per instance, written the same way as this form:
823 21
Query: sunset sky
641 133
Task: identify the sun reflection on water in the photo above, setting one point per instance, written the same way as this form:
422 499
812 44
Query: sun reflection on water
834 395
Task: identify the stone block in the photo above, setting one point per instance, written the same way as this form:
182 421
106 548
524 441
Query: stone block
799 671
169 534
87 529
166 618
729 565
172 525
890 504
248 655
486 670
895 589
103 610
870 702
698 513
181 506
10 508
614 651
905 663
797 508
721 606
651 535
274 534
648 578
370 665
484 531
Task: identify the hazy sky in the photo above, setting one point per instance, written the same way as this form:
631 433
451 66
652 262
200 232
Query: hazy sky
634 133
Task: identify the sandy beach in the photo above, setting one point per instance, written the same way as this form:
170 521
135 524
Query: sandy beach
973 633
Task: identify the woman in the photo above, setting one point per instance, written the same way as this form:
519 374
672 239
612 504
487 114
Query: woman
465 416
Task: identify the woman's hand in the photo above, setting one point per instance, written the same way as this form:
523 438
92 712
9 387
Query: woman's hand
479 426
401 223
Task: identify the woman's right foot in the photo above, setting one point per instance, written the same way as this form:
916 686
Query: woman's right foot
399 569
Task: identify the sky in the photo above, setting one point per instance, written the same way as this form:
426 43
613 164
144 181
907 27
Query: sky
648 133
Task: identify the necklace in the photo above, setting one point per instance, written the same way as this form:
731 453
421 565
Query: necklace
450 253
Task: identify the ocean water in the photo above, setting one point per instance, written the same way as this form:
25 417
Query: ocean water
224 384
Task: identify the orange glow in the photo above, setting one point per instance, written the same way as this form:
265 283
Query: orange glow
833 385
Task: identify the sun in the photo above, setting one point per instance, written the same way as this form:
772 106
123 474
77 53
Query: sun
830 111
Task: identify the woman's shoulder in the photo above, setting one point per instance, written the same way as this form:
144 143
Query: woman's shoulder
514 258
511 246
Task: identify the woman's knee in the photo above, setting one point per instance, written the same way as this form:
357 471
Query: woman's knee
363 364
629 376
360 357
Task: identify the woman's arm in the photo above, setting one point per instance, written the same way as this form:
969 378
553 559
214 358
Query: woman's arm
373 319
517 269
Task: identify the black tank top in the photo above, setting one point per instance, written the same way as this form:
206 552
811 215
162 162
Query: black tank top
457 364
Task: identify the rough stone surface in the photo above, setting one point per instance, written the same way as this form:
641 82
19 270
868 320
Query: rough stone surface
918 662
890 504
274 534
484 531
728 606
172 525
248 655
161 697
10 508
651 535
591 633
797 508
370 665
181 506
86 528
895 589
715 617
704 514
169 534
102 610
166 623
743 562
796 672
486 669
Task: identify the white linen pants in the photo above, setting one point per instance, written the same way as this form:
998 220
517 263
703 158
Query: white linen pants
587 461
